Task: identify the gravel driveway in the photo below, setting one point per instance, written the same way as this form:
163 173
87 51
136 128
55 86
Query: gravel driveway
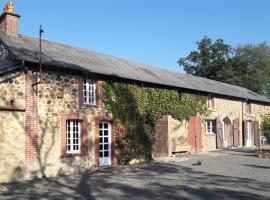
222 175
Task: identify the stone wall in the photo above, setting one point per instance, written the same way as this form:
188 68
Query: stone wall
177 136
12 130
224 108
58 95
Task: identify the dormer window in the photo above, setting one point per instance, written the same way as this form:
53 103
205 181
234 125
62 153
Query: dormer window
89 91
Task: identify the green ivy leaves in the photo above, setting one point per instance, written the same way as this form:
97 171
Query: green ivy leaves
137 109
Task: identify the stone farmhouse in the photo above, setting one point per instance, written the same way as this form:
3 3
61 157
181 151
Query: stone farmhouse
53 121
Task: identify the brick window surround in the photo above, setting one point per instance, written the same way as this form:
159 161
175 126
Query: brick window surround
99 103
84 134
99 119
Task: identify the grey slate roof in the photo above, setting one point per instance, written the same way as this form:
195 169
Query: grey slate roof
56 54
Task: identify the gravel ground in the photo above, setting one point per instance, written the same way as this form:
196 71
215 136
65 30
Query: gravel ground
222 175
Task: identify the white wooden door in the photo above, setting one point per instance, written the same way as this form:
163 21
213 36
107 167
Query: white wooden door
105 150
248 137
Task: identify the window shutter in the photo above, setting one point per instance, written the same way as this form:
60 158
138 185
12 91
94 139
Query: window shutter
255 126
236 139
219 137
213 102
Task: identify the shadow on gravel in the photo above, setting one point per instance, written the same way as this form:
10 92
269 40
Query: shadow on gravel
145 181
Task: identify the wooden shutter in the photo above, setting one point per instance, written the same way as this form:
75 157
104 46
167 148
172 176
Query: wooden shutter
236 139
219 135
213 102
255 126
244 133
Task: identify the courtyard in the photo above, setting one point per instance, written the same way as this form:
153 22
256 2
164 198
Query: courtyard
234 174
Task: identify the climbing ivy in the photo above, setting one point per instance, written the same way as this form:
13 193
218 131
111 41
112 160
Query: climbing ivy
136 109
265 125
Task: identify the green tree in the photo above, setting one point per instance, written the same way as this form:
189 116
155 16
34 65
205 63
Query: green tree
252 67
247 66
209 61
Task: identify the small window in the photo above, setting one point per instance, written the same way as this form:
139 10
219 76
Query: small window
248 107
89 91
73 143
210 126
211 102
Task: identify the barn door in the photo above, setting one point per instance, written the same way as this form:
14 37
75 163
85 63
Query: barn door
255 132
219 137
194 133
161 138
236 139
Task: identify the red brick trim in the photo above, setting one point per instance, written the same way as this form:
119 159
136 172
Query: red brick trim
98 119
84 134
9 23
31 122
99 103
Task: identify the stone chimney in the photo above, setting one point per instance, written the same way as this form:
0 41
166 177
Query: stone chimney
9 20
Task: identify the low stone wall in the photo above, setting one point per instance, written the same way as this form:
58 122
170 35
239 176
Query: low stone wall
263 152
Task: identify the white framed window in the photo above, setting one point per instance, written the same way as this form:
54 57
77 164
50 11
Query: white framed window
210 126
73 143
89 91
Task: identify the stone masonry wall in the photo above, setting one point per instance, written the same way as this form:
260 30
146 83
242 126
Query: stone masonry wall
177 136
12 130
58 95
224 108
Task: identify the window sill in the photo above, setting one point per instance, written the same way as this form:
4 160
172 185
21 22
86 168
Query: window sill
72 155
209 133
86 105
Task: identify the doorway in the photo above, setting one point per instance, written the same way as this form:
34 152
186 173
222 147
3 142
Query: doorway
195 133
226 132
105 148
248 136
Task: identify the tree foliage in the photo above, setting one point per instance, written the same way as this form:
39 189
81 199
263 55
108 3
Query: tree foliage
136 110
247 66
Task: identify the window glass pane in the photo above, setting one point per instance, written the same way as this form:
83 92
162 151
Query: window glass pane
105 132
106 154
105 125
106 146
100 132
100 147
106 139
100 140
101 154
100 125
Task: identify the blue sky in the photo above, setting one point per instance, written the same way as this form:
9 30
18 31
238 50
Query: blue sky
155 32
